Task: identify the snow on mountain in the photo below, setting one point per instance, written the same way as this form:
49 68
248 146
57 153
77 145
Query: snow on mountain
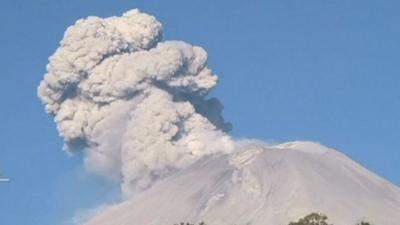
263 185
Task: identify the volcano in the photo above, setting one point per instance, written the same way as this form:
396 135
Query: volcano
261 184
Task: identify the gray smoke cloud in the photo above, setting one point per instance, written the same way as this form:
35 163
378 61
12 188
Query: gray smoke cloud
135 104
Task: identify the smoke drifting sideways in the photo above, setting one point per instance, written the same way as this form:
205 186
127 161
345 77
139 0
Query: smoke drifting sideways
135 105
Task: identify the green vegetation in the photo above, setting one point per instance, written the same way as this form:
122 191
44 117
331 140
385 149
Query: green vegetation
201 223
364 223
310 219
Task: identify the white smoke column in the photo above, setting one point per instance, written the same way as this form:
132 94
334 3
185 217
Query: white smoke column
137 105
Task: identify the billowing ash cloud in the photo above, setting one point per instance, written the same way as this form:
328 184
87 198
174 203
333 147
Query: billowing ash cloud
137 105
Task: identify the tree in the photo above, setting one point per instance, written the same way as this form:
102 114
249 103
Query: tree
312 219
201 223
364 223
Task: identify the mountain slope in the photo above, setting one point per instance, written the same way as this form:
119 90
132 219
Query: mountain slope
263 185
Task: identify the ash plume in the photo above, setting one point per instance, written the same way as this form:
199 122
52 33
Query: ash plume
136 105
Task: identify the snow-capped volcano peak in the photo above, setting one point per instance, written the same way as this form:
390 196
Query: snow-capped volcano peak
260 184
304 146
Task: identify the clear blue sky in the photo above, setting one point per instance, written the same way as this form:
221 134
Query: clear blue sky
319 70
